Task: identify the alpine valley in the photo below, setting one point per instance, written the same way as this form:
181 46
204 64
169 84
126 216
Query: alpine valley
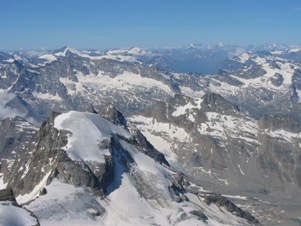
192 135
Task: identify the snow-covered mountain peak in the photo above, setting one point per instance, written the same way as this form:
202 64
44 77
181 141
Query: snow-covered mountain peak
244 57
88 131
137 51
69 172
63 52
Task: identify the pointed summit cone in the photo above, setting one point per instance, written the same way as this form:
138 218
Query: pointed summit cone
91 109
110 113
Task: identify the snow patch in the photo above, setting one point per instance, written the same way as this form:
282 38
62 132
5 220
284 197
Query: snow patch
181 110
222 126
283 135
244 57
2 184
11 60
294 50
47 96
285 69
236 197
240 170
49 57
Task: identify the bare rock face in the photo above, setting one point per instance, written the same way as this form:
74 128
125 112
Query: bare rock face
109 112
216 103
144 146
279 154
280 121
15 134
277 79
218 139
221 201
45 156
91 109
7 195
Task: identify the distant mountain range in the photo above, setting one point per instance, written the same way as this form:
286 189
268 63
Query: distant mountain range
192 122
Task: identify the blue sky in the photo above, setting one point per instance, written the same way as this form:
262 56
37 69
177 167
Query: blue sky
103 24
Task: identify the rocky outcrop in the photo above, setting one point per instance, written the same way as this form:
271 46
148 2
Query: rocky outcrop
15 134
221 201
109 112
280 121
91 109
213 102
41 154
7 195
44 155
144 146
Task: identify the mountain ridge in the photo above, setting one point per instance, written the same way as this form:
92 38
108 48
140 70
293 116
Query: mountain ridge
235 132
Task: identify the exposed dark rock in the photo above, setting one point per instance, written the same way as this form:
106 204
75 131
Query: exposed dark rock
296 80
280 121
277 80
255 71
216 103
15 134
144 146
91 109
7 195
178 188
201 216
221 201
110 113
43 191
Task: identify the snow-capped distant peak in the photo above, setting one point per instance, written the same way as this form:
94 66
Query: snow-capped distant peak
137 51
194 46
244 57
294 49
49 57
220 44
64 51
